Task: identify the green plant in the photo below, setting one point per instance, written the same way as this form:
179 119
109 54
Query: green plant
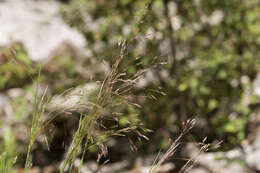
39 106
203 39
15 66
114 91
8 157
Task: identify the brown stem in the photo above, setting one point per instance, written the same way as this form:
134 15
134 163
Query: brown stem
174 68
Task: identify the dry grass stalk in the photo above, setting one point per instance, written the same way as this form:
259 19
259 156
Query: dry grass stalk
187 126
116 86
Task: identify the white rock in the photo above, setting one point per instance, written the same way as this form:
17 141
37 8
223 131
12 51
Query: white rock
212 164
38 25
256 85
252 159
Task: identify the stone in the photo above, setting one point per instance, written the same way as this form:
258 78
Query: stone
38 25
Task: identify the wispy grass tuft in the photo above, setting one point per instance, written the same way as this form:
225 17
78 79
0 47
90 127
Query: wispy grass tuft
113 92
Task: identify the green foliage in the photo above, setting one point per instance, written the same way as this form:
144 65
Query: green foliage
20 107
15 67
61 73
8 157
218 42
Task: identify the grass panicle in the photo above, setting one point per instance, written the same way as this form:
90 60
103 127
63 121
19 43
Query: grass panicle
161 158
114 91
187 126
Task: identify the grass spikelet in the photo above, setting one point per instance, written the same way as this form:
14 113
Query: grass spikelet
186 127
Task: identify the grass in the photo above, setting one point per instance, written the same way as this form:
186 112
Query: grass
161 158
111 94
114 87
39 107
8 158
187 126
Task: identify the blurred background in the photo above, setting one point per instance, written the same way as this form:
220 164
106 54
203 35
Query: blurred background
212 74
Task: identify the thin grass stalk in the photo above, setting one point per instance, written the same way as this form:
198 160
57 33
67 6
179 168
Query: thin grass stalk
8 158
187 126
191 161
38 110
87 125
85 150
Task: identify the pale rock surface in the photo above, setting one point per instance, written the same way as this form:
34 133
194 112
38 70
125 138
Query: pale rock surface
215 162
256 85
251 145
38 25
